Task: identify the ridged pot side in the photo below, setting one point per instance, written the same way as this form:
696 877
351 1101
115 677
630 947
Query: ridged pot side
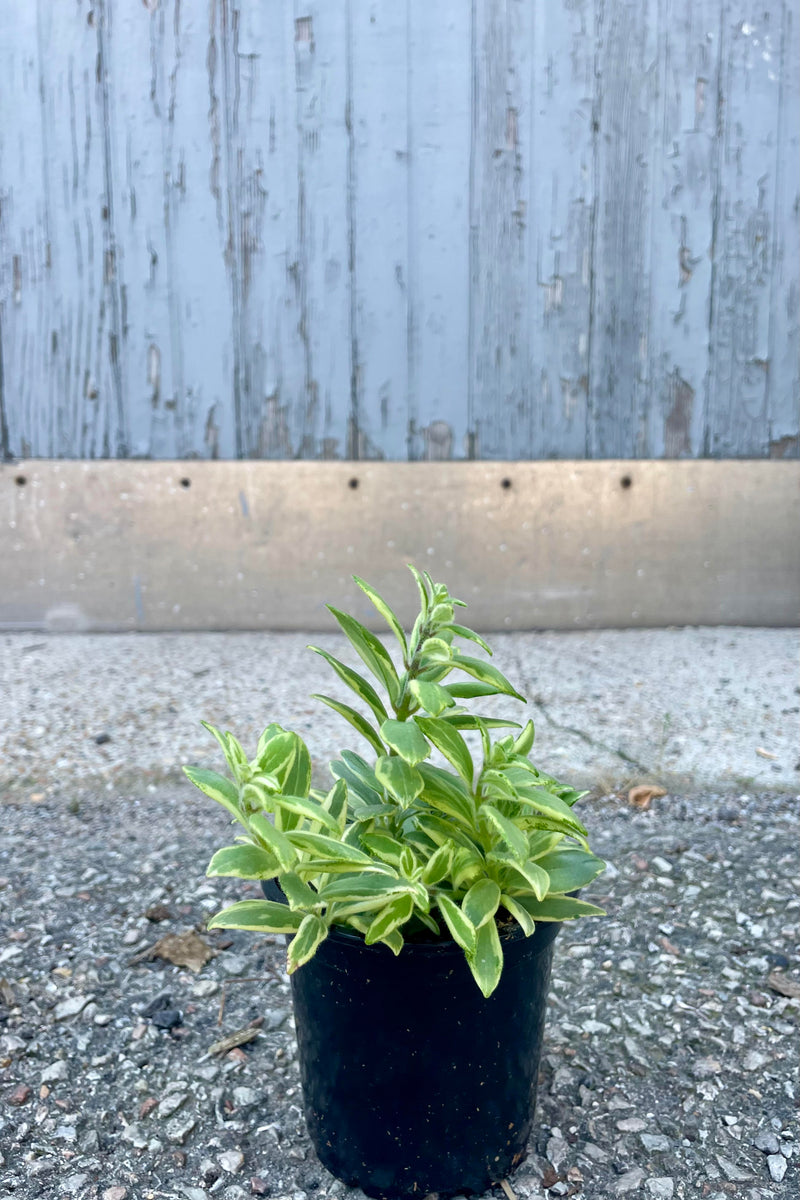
413 1081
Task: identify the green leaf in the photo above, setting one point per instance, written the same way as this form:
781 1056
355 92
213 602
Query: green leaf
355 718
531 875
265 916
389 617
431 696
357 786
438 865
323 846
304 806
559 908
524 742
362 887
303 945
447 793
461 928
285 756
470 691
449 742
513 837
244 862
400 780
422 587
336 804
218 788
387 848
396 913
570 869
470 634
481 901
406 739
357 683
436 650
520 914
468 866
472 721
551 806
371 652
486 961
298 893
394 941
486 673
275 841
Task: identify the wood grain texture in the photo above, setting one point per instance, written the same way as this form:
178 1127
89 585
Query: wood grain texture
257 229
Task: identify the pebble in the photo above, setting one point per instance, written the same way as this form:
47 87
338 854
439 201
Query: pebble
734 1173
117 1192
631 1125
20 1095
103 1019
74 1183
661 1187
56 1072
655 1141
192 1193
754 1060
205 987
629 1182
179 1129
71 1007
136 1134
171 1104
231 1161
274 1018
766 1140
557 1151
233 964
777 1167
166 1018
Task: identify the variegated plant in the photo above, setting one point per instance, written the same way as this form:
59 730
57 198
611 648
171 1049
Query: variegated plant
401 849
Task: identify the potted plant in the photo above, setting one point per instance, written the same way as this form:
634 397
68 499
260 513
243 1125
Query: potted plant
421 902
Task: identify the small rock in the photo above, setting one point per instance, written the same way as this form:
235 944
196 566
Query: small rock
65 1133
703 1067
231 1161
20 1095
243 1097
166 1018
766 1140
209 1171
101 739
557 1151
117 1192
734 1173
55 1073
655 1141
147 1106
754 1060
192 1193
559 1188
74 1183
155 1146
233 964
258 1186
661 1187
205 987
170 1104
629 1182
777 1167
136 1134
71 1007
103 1019
595 1152
631 1125
274 1018
179 1129
157 913
661 865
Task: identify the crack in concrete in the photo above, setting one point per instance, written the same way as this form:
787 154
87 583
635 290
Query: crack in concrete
596 745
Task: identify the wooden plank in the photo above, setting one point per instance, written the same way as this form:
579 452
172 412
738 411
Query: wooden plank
265 545
440 90
561 204
683 149
619 385
380 99
784 307
500 316
748 112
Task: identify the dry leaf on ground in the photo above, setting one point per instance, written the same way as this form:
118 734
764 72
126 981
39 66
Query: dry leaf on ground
240 1038
185 949
643 794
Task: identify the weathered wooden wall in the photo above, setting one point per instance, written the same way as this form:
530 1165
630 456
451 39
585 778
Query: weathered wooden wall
363 229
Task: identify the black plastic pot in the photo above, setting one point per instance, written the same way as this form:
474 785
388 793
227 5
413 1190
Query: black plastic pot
413 1082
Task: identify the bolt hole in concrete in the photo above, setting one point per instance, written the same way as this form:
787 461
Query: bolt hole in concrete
185 483
20 481
352 483
626 481
505 483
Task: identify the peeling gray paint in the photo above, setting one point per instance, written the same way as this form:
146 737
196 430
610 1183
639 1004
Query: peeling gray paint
500 230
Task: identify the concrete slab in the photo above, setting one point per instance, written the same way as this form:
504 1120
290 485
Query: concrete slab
689 708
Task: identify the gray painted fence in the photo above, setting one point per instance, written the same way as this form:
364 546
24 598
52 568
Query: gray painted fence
363 229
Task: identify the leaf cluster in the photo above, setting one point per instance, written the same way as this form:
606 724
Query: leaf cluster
402 848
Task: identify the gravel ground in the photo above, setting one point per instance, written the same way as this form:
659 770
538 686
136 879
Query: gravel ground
670 1053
